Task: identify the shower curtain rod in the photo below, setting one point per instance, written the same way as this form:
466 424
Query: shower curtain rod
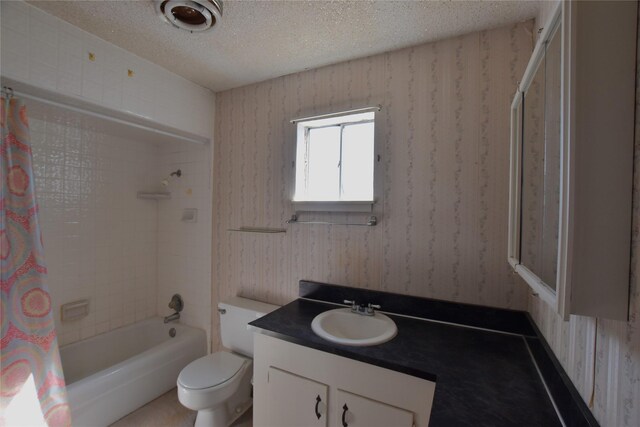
14 93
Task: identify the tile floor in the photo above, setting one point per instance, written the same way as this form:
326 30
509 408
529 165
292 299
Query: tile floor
166 411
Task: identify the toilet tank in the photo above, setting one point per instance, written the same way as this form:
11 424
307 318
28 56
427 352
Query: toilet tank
235 313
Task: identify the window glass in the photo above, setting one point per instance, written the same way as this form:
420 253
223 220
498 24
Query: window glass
357 161
335 159
323 181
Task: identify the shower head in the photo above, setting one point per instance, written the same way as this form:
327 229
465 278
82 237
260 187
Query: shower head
165 182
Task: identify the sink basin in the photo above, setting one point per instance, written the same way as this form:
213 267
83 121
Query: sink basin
342 326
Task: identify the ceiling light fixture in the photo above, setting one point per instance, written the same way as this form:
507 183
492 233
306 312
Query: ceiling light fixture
190 15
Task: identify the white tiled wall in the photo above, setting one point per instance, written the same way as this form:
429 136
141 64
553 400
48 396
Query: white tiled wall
42 50
184 249
127 256
100 240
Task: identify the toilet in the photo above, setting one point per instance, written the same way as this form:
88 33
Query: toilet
218 386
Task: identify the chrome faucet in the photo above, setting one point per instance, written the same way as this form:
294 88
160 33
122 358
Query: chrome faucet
176 304
368 310
172 317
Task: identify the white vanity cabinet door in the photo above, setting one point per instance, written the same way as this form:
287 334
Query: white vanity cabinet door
359 411
288 378
294 401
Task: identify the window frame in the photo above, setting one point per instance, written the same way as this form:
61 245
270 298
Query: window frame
342 121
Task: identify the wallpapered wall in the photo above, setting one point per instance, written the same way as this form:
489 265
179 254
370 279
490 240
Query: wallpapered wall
442 208
613 346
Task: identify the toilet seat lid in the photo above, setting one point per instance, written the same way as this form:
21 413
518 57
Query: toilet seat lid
211 370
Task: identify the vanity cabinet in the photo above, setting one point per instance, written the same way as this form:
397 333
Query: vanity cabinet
571 173
359 411
304 400
299 386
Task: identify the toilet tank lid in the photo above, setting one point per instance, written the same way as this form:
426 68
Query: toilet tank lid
248 304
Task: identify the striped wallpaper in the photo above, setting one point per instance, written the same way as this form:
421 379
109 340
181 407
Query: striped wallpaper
442 198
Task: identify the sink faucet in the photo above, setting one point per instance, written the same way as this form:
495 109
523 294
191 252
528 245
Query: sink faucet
368 310
171 317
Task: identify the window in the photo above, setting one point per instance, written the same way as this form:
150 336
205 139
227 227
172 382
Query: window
335 159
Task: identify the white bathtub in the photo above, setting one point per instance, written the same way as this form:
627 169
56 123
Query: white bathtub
111 375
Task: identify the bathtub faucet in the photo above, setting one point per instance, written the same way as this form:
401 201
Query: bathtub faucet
176 304
172 317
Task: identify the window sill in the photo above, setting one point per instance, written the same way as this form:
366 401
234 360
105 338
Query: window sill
343 206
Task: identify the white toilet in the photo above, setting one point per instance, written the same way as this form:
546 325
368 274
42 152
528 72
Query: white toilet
218 386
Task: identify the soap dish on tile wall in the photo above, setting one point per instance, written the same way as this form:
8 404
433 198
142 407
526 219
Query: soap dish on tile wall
189 215
74 310
154 195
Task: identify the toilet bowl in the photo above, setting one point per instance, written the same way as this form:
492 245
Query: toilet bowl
218 386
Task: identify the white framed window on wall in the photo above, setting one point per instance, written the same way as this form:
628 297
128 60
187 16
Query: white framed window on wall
335 161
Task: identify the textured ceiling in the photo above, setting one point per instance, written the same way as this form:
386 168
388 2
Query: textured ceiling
258 40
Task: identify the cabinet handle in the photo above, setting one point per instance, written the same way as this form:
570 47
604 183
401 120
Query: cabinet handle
318 400
344 415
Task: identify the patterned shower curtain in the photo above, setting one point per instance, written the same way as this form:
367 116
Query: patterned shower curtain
28 345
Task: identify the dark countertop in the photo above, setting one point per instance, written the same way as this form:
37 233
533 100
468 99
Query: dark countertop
483 378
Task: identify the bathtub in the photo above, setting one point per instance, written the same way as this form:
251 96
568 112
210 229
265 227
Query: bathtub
111 375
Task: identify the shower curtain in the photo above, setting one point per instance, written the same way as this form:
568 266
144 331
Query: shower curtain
29 356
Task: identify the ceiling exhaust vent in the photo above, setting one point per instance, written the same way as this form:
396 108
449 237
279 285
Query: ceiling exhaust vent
191 15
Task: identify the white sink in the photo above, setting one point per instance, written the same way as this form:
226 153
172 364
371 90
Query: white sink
342 326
